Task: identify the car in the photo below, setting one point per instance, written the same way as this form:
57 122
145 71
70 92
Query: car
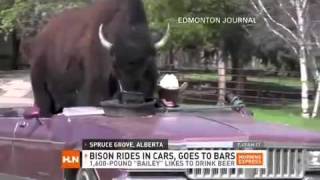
31 146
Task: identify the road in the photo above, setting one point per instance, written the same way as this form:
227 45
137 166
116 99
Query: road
15 89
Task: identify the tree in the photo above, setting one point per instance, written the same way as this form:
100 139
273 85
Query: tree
23 18
211 35
27 16
313 52
292 30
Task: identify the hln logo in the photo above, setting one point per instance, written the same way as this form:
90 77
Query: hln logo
70 159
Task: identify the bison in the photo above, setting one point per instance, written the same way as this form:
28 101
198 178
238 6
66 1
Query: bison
83 55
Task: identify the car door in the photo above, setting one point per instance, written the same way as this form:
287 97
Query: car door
36 155
9 122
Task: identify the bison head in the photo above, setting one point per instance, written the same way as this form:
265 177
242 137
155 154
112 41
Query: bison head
134 53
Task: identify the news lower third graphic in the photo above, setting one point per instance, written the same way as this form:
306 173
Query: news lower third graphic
125 144
154 154
71 159
172 159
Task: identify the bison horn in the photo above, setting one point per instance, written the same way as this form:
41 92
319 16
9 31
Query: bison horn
164 40
105 43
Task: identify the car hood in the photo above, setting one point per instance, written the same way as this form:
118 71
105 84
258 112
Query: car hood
181 127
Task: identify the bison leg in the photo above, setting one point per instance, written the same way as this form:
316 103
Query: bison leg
87 95
96 90
42 96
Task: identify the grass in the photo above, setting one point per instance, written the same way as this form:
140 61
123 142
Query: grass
287 116
280 81
283 81
202 77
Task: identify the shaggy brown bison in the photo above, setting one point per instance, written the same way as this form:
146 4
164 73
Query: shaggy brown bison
82 55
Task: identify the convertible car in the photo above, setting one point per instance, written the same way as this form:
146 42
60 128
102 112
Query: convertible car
30 146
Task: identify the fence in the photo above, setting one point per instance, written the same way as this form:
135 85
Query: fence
254 86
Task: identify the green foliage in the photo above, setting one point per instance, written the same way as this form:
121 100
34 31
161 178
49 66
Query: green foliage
285 116
10 15
28 15
161 12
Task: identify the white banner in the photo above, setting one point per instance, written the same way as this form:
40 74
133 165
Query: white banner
173 159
